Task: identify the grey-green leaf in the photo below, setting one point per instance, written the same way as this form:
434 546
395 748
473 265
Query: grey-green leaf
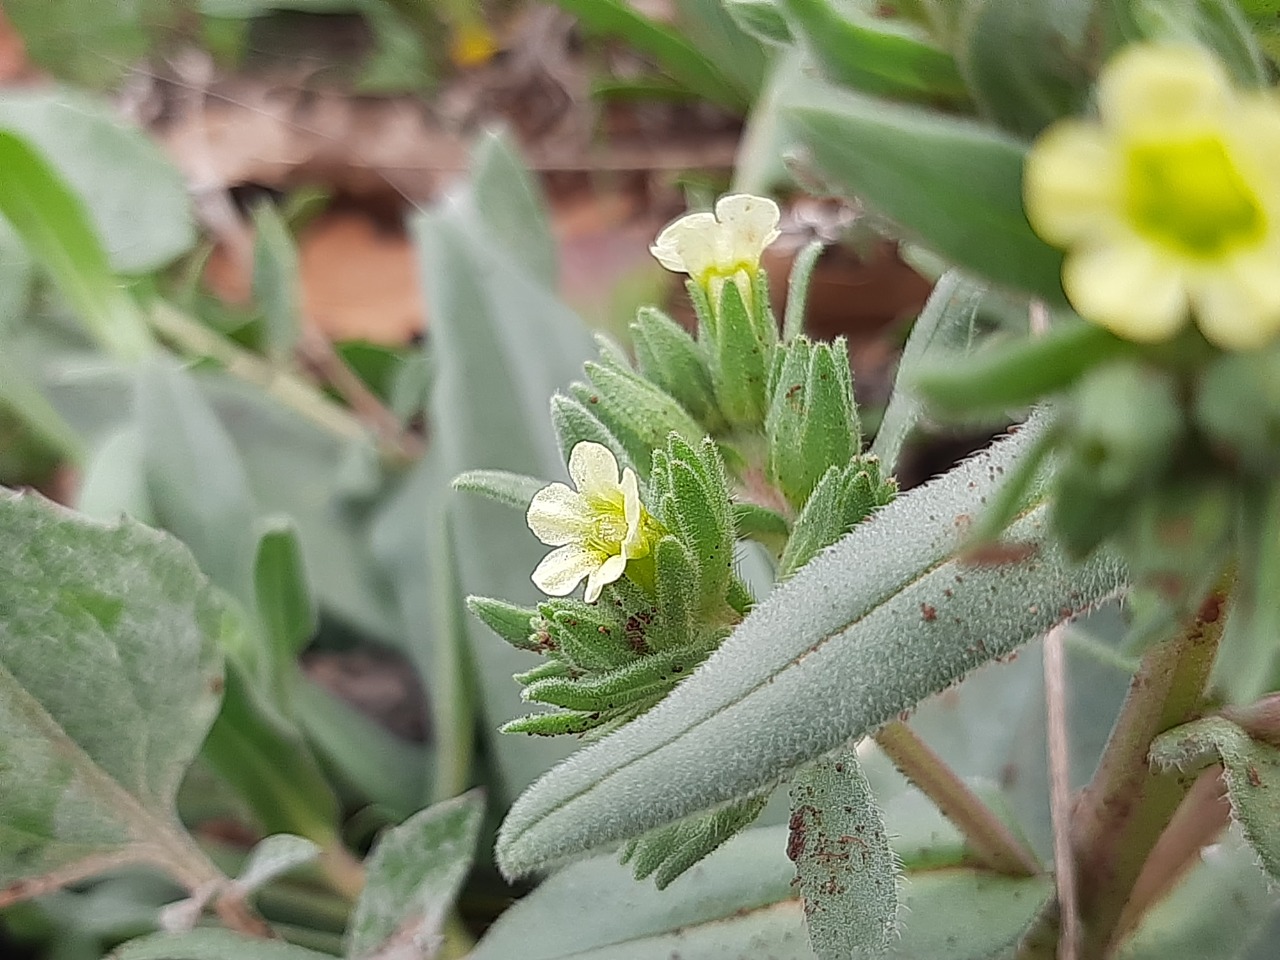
276 283
943 180
838 650
109 679
54 226
414 874
845 868
212 944
511 489
136 198
285 603
273 857
1250 768
738 903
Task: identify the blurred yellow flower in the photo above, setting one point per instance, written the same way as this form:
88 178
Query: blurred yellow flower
713 248
1168 205
596 529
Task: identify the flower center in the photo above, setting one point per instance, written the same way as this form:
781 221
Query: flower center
1188 195
610 526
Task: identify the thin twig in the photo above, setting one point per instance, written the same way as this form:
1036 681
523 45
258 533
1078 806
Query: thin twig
989 837
1059 748
1200 820
317 352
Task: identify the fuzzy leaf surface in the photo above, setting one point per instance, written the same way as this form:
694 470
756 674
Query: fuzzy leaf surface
740 903
212 944
109 679
886 617
845 868
415 873
1250 768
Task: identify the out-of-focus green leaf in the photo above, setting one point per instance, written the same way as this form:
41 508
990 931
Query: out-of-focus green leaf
502 344
738 903
717 36
364 756
276 285
944 180
399 61
944 326
1221 911
265 760
761 19
212 944
273 857
414 875
875 55
109 678
675 55
1027 64
135 197
838 650
93 44
285 605
197 484
54 226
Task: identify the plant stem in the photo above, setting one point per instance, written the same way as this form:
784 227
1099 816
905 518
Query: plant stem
302 397
992 842
1120 815
1200 820
343 873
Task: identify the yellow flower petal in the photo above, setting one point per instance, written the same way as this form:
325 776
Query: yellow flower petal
558 516
594 470
634 545
1127 287
605 573
563 568
688 245
749 225
1161 88
1239 308
1072 182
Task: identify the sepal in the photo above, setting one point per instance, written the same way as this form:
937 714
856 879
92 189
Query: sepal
740 350
668 852
638 413
812 423
843 498
574 423
670 358
512 623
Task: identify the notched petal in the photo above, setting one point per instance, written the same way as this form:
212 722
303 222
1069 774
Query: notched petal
594 470
558 515
562 569
604 574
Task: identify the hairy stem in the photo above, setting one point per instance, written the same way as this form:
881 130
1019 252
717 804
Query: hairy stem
991 840
1123 811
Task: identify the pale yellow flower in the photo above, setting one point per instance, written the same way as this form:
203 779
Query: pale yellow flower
596 529
713 248
1168 205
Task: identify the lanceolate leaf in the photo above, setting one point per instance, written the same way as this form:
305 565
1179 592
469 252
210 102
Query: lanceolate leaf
846 871
943 180
57 232
1250 768
739 903
212 944
886 617
415 873
109 679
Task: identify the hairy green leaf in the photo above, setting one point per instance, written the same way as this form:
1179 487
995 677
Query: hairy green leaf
846 871
883 619
511 489
1250 768
414 874
110 676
